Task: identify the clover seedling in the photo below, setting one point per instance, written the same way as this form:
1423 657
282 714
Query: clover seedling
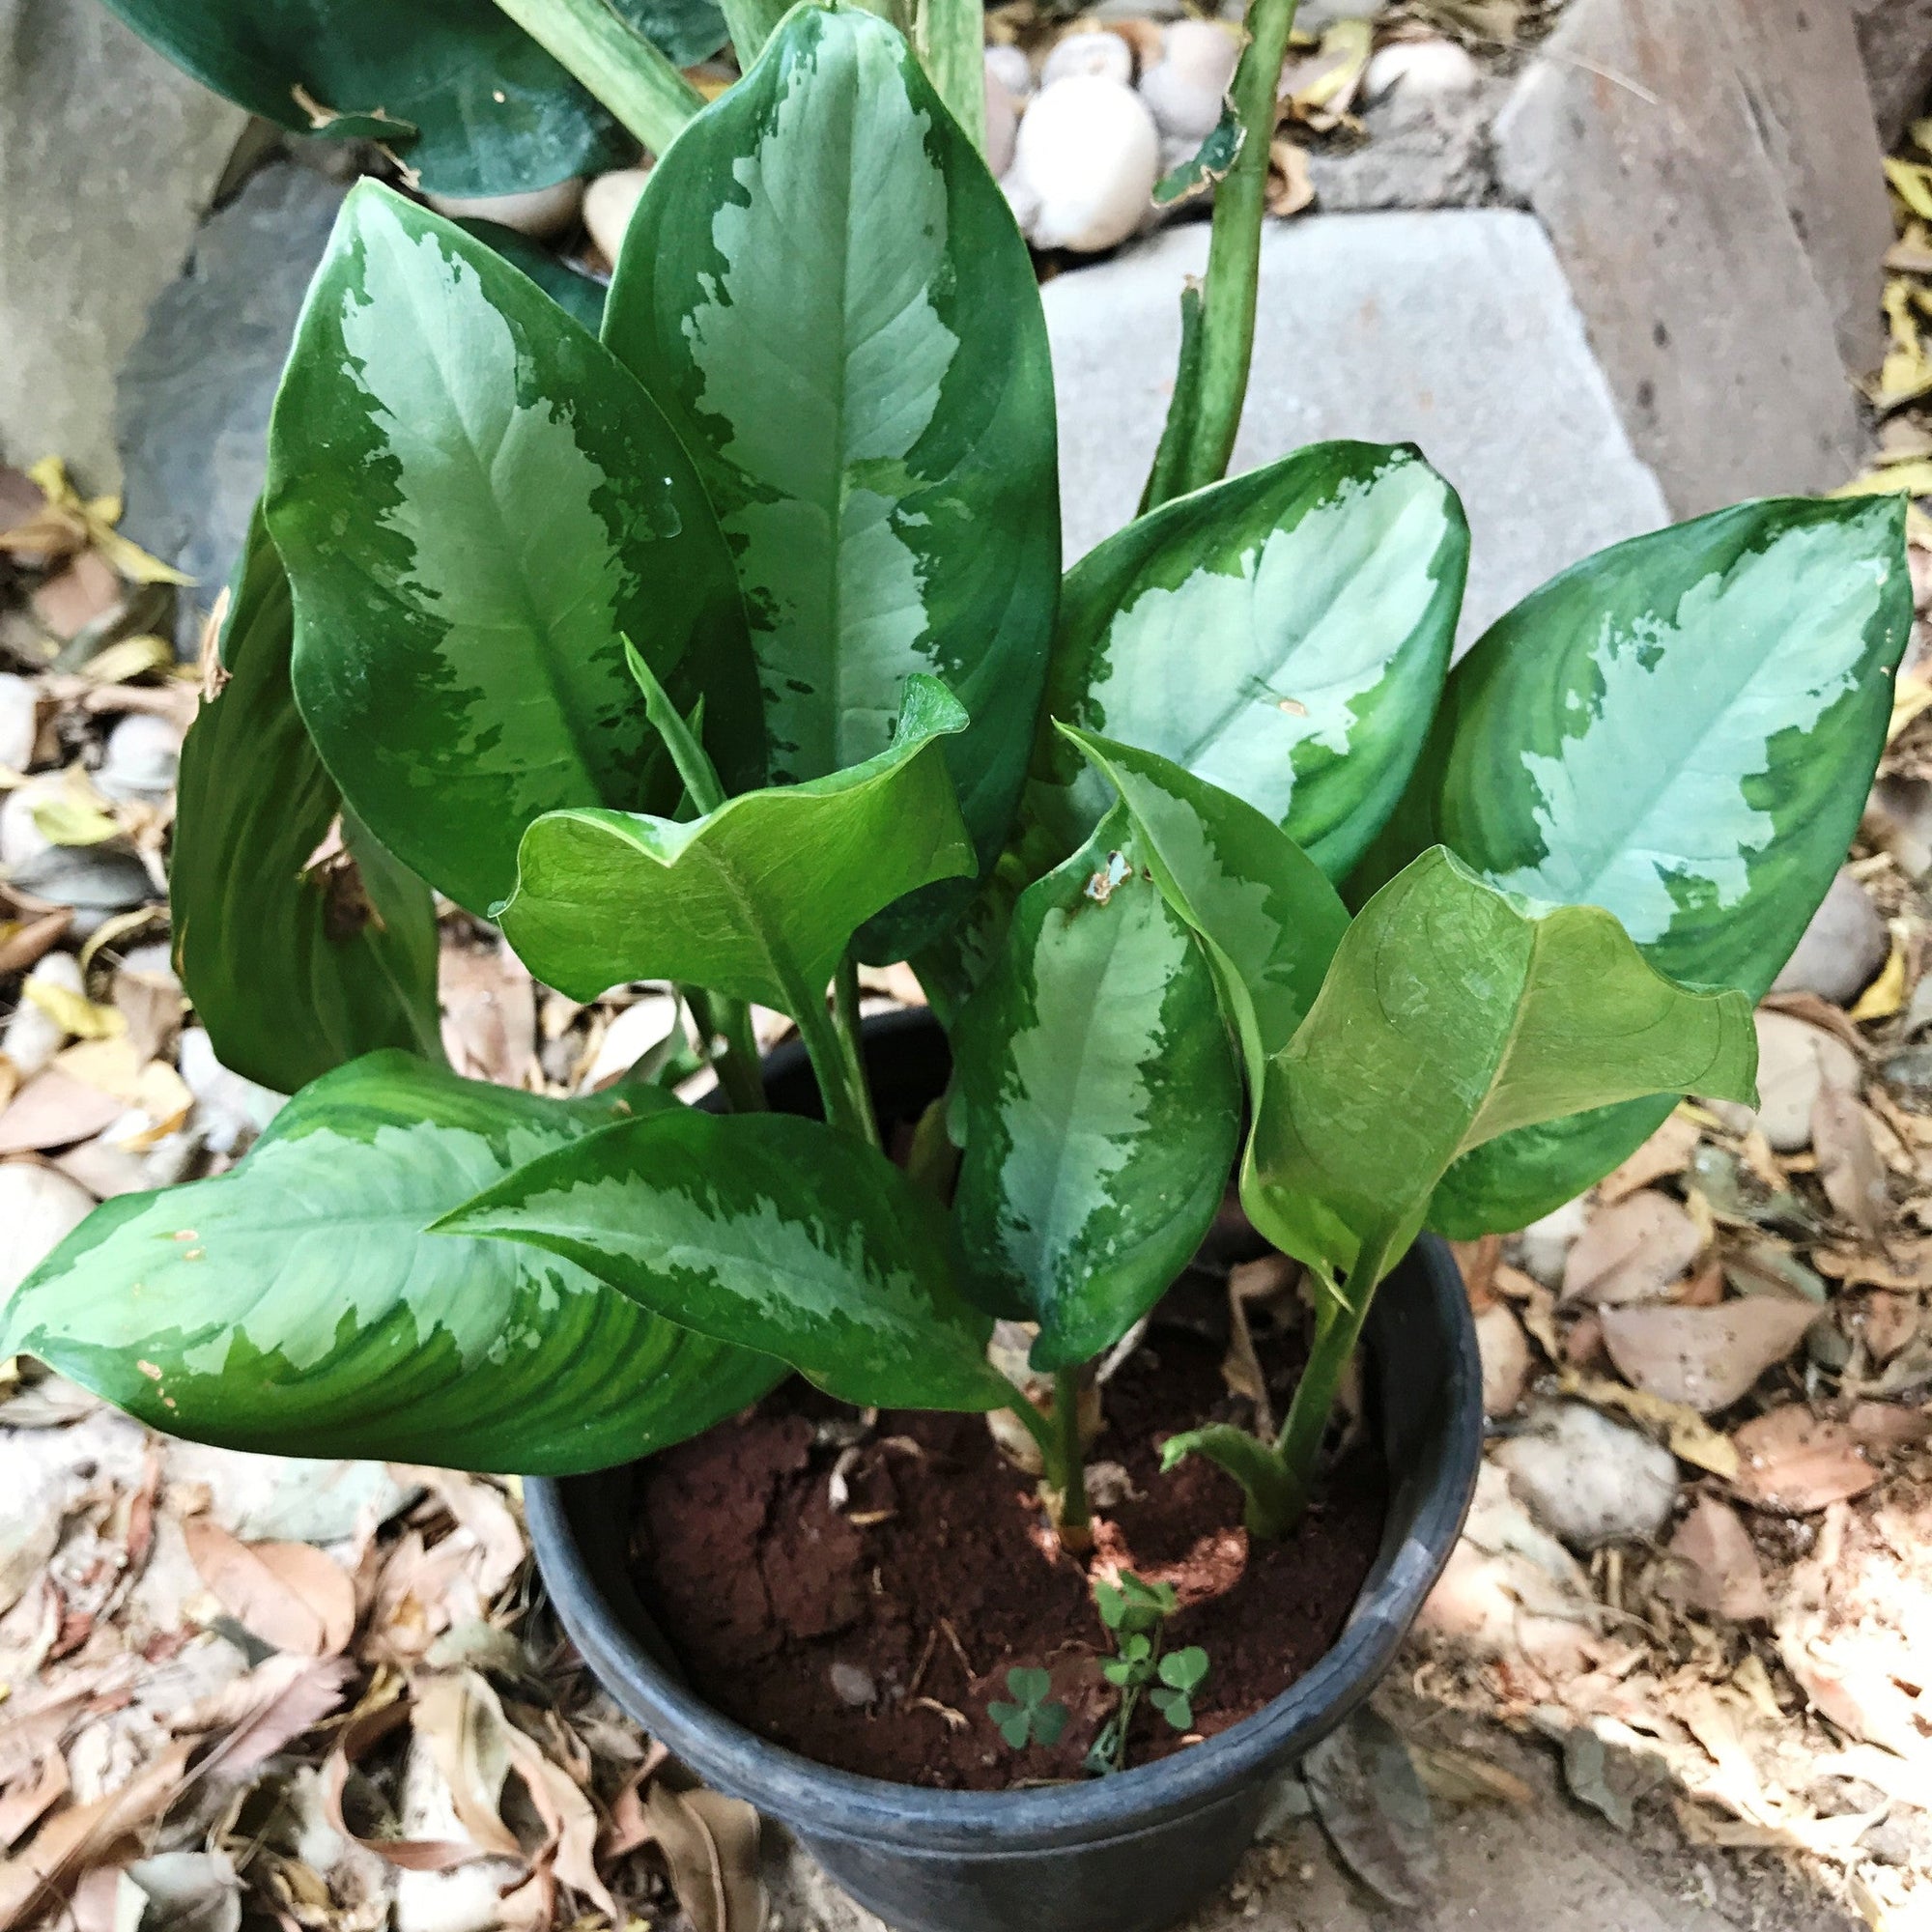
1031 1718
1135 1614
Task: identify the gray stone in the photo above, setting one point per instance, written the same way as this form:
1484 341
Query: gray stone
196 393
1842 948
1909 1076
1895 38
1708 173
108 156
1424 150
1453 329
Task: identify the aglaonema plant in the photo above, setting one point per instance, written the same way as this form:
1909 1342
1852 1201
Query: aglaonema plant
729 647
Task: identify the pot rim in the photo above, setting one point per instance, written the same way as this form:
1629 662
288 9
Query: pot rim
821 1801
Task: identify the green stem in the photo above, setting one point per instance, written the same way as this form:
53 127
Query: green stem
851 1042
1300 1442
611 59
849 1106
750 23
1219 383
737 1062
950 36
1066 1470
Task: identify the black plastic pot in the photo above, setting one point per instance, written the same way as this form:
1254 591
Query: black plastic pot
1129 1853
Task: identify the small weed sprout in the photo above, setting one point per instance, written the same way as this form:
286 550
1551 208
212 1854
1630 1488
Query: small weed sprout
1135 1614
1032 1717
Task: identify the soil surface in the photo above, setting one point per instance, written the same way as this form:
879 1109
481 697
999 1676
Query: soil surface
872 1637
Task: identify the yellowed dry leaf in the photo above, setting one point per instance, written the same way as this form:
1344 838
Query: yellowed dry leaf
1691 1438
459 1717
74 1012
1887 993
290 1595
24 942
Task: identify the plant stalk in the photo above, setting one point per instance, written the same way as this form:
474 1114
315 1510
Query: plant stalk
614 62
848 1105
1337 1330
737 1060
851 1039
750 23
1066 1468
949 37
1219 379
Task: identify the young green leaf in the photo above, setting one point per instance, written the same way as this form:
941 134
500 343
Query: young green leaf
296 1304
475 503
824 290
766 1231
1101 1104
1681 729
1329 584
1453 1012
1185 1669
1032 1717
757 899
292 969
473 104
1270 920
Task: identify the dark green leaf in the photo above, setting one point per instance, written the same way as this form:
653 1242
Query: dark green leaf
292 969
1452 1013
1282 635
1268 919
295 1304
1207 164
1681 729
489 111
577 293
473 501
756 900
767 1230
1101 1103
824 290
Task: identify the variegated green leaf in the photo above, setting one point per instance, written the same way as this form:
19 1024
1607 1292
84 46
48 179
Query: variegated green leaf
1282 635
476 502
461 92
756 900
1453 1013
766 1231
296 1303
825 291
1101 1102
293 970
1268 919
1681 729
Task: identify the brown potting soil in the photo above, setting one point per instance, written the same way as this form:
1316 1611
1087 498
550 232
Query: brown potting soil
872 1637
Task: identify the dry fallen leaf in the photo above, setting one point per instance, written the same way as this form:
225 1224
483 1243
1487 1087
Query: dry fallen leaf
1714 1566
80 1837
264 1710
710 1846
1689 1436
1850 1168
1704 1358
357 1736
290 1595
459 1717
1665 1152
1631 1252
489 1014
54 1110
23 1805
1793 1461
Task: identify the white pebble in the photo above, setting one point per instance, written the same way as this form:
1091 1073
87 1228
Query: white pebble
609 202
1012 68
1187 85
1544 1246
540 213
229 1110
39 1209
1090 153
1089 53
1428 68
19 722
32 1036
143 759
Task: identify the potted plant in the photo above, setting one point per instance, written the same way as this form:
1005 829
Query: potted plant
730 648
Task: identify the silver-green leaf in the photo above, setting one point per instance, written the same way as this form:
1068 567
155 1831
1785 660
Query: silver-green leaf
1101 1103
768 1232
1681 729
824 290
296 1304
1282 635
